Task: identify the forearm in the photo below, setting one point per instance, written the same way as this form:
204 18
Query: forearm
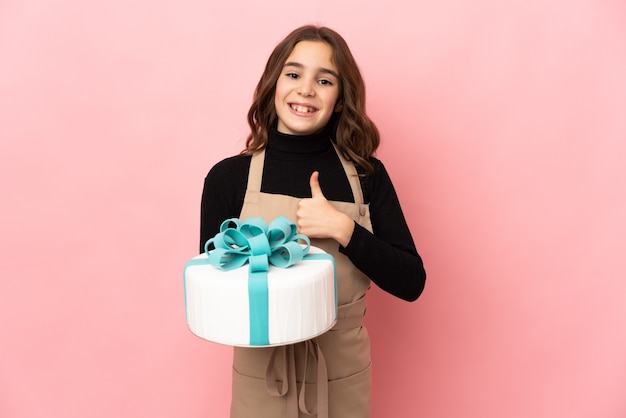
398 270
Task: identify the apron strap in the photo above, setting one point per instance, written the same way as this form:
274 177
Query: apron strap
320 409
353 177
288 370
255 174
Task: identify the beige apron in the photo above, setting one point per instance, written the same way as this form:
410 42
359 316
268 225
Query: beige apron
267 382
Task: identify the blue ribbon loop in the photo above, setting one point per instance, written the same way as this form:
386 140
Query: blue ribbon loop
259 244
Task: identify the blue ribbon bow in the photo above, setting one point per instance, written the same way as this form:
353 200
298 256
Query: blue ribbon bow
259 244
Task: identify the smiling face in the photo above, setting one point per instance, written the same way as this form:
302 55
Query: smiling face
307 89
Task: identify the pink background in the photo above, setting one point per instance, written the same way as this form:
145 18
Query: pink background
504 128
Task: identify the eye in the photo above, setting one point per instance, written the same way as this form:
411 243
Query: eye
292 75
325 82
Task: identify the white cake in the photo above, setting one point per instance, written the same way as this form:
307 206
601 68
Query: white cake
300 301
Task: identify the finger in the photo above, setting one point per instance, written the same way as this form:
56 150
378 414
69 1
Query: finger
316 190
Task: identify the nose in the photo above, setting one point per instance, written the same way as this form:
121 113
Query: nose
306 87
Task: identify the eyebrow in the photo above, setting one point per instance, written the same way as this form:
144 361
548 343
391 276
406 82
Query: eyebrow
321 69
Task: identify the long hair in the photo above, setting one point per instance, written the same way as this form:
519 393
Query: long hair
356 136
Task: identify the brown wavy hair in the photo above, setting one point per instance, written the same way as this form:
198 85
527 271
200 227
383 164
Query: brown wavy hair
356 136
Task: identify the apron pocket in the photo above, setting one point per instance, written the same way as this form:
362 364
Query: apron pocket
350 397
251 400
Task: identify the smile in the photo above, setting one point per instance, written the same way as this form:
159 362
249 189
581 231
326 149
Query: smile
302 108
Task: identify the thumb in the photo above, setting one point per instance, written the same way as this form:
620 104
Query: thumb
316 190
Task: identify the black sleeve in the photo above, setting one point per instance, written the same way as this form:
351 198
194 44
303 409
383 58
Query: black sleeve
388 255
223 195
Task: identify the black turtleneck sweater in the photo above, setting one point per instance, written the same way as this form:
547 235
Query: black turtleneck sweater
387 256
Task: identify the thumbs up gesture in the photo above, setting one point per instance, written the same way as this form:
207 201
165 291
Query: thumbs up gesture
318 218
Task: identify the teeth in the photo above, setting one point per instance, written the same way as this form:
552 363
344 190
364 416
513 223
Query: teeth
303 109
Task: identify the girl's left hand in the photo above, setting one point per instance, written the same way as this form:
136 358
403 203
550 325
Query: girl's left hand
318 218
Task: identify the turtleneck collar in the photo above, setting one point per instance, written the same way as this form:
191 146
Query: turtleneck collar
300 144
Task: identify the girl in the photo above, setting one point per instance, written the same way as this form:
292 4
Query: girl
309 157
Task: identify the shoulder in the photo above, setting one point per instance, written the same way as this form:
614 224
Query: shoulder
236 166
378 168
376 184
236 162
379 172
228 176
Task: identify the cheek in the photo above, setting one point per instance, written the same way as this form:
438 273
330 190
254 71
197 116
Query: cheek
278 99
333 101
280 91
